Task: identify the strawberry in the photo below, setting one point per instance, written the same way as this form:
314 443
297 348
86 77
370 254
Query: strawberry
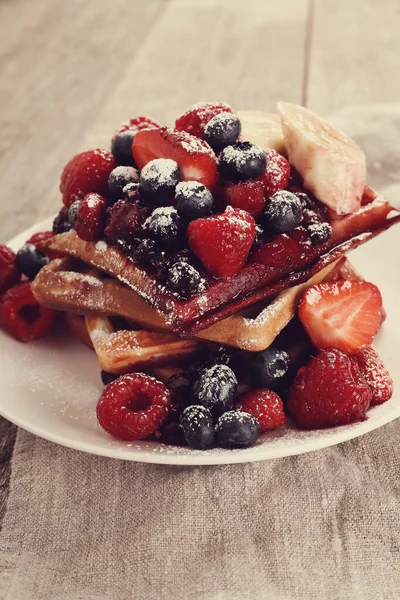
328 391
277 173
195 158
223 242
137 124
375 375
266 406
279 251
196 117
342 314
86 172
247 195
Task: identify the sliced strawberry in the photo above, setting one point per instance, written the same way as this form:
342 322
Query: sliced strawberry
280 251
195 118
247 195
223 242
277 173
137 124
195 158
342 314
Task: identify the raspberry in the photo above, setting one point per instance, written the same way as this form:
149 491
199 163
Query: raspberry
375 374
328 391
125 221
277 173
9 273
86 172
90 221
22 316
223 242
137 124
247 195
133 406
42 236
265 406
195 118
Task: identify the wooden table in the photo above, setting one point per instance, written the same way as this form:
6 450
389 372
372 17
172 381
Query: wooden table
70 72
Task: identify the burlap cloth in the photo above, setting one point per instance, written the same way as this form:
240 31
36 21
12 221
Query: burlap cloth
318 526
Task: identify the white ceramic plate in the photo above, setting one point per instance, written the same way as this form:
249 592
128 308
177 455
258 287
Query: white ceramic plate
51 387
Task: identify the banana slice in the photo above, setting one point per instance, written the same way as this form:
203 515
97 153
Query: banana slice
263 129
332 165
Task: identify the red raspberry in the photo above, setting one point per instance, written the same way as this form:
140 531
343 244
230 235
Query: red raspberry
195 118
276 175
223 242
247 195
90 220
375 374
137 124
86 172
133 406
22 316
265 406
329 391
42 236
125 221
9 273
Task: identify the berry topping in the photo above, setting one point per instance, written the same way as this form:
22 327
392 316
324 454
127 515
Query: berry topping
61 223
280 251
130 193
196 160
166 227
118 179
158 180
319 233
328 391
216 388
179 387
39 237
184 280
247 195
193 200
375 374
73 213
125 221
265 406
198 427
197 116
242 161
277 173
223 242
269 367
30 260
133 406
283 212
171 434
222 130
9 274
237 429
341 314
107 378
146 253
137 124
90 222
22 316
86 172
121 147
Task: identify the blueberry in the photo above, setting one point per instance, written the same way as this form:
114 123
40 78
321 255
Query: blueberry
184 280
166 228
242 161
118 179
269 367
172 434
319 233
158 181
216 388
304 199
193 200
73 213
198 427
130 193
179 384
30 260
283 212
147 254
61 223
222 130
121 147
107 378
237 429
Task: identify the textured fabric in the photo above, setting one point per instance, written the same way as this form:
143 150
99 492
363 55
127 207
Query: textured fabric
318 526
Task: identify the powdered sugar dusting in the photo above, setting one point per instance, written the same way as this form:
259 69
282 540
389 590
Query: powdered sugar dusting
161 170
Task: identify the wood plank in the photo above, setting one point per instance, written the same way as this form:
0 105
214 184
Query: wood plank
354 56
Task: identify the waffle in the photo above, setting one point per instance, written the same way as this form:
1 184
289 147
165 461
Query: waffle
225 297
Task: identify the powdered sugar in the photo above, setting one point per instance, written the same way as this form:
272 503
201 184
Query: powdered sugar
162 170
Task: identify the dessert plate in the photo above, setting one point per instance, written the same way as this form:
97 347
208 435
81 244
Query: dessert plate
50 387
